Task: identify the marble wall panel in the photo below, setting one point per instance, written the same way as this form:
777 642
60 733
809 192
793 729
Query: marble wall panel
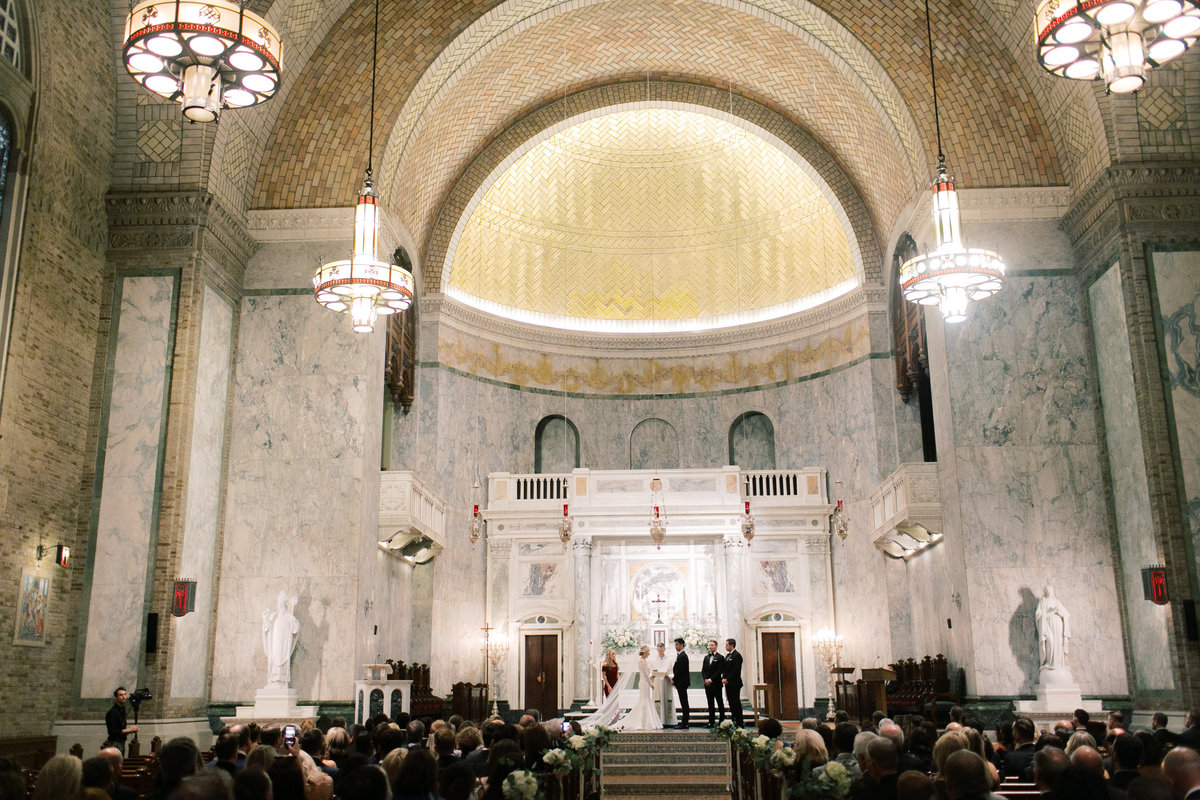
1145 623
1177 284
301 495
128 480
189 665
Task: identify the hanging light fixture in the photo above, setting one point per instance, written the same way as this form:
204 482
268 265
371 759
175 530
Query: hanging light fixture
658 513
952 275
565 526
748 523
204 54
1117 40
362 285
841 524
475 528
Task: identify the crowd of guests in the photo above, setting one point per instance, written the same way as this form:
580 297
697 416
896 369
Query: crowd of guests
962 763
401 759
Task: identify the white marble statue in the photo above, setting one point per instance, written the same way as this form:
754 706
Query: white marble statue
280 631
1054 630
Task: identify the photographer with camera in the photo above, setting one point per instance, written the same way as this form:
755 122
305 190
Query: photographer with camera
115 720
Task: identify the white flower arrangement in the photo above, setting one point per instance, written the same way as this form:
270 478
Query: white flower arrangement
554 758
837 775
576 742
520 785
761 742
696 637
781 759
620 639
726 724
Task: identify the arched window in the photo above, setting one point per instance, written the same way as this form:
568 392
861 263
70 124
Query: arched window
752 441
654 444
555 445
912 352
16 111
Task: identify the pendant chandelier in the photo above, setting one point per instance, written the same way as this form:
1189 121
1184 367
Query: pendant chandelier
475 528
204 54
565 526
952 275
362 285
658 513
1117 40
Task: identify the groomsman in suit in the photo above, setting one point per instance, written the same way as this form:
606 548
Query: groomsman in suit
681 677
732 678
711 671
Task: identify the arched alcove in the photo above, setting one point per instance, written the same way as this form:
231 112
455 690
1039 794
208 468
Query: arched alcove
752 441
555 445
654 444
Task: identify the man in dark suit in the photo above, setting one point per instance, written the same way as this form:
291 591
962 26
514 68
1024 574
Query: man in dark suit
1190 737
1049 763
1020 758
731 676
711 670
681 676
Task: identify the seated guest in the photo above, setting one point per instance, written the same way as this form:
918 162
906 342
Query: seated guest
477 758
60 777
211 784
287 779
978 745
956 714
537 742
1152 756
1148 789
1018 762
468 740
318 784
770 728
1083 783
1116 721
417 776
365 783
456 783
1049 740
862 785
97 773
337 745
1088 758
443 745
313 743
416 735
1063 729
882 759
119 791
843 749
1079 739
252 783
966 776
1158 725
1080 719
810 748
505 758
1190 736
1049 763
907 760
1127 754
391 763
270 736
1181 767
177 759
913 785
947 744
262 757
225 753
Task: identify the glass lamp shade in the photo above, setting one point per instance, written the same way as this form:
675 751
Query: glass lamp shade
362 285
1115 39
952 275
205 55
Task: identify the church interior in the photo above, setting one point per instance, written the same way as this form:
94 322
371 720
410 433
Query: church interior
648 368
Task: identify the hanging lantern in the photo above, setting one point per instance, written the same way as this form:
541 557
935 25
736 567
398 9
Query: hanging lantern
748 523
658 514
841 524
565 526
475 529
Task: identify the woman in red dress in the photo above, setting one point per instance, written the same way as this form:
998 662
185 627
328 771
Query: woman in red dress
609 670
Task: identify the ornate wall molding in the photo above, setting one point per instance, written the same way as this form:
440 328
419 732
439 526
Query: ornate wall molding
177 220
441 310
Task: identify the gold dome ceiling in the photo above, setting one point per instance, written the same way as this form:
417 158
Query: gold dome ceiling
650 219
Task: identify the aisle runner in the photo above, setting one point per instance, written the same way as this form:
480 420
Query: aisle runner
668 764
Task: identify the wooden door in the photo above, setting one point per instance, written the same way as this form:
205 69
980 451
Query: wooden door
779 673
541 674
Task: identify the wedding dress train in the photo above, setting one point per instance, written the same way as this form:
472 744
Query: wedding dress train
644 715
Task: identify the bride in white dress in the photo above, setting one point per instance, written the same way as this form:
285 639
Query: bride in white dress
644 715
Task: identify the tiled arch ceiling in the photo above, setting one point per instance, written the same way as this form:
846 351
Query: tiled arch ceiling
996 133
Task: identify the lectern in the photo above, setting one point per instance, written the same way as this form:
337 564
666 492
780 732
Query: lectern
873 695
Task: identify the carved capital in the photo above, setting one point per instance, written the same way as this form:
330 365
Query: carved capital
499 547
582 545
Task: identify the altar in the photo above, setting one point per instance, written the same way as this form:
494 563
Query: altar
560 604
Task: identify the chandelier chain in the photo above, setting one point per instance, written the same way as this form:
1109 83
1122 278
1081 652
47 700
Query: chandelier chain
374 59
937 124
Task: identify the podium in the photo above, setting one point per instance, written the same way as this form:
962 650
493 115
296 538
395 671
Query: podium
872 695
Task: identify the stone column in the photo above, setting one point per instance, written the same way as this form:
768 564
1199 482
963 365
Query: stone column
734 546
497 606
581 551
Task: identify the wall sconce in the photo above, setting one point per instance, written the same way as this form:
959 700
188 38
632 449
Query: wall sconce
62 554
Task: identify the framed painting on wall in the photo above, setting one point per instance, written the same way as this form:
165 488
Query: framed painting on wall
32 596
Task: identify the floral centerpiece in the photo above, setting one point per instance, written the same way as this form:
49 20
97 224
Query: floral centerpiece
620 639
832 784
520 785
696 637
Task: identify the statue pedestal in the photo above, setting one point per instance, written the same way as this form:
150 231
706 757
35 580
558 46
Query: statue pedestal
1057 697
274 702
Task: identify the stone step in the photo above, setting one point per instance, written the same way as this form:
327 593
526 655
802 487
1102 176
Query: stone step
712 748
716 772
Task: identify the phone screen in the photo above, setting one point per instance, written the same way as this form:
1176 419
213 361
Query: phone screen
289 735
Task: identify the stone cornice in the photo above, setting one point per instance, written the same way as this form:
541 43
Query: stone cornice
1165 193
316 225
1027 203
176 220
443 310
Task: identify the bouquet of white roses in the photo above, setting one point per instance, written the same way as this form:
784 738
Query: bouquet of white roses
697 638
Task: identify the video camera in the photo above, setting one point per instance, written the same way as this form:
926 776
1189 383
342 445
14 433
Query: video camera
138 697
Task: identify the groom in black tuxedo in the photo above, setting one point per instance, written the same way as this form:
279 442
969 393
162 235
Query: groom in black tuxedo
681 677
711 671
732 678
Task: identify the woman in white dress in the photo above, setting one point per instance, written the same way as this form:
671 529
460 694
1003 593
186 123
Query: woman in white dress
644 715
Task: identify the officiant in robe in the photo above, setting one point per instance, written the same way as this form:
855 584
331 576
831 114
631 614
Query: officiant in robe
663 666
